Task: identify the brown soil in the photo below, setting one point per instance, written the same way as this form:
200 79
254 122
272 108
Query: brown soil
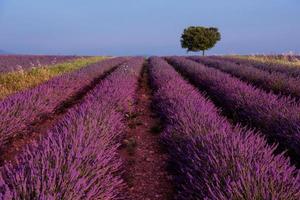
45 122
146 172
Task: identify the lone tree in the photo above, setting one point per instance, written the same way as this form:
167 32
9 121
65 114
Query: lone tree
199 38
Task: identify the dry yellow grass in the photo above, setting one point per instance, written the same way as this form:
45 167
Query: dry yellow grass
19 80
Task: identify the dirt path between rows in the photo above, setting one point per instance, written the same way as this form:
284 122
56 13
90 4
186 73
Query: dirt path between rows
41 126
146 172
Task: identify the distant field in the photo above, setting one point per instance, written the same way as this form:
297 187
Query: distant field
18 80
215 127
288 59
285 60
10 63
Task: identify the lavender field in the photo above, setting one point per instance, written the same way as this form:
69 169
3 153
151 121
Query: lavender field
10 63
184 128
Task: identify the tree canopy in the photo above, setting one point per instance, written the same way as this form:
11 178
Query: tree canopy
200 38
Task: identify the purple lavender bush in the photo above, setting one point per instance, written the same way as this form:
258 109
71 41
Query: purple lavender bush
210 158
269 81
78 158
277 117
22 108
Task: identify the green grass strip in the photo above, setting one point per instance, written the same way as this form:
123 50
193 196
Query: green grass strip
19 80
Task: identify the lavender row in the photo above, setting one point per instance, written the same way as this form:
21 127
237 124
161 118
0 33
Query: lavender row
212 159
270 67
277 117
78 159
23 108
10 63
270 81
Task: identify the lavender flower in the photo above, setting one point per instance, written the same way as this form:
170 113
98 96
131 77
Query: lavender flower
210 158
277 117
269 81
25 107
78 158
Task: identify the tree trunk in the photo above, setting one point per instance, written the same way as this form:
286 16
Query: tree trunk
203 52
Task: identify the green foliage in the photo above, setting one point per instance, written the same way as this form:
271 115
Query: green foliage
199 38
